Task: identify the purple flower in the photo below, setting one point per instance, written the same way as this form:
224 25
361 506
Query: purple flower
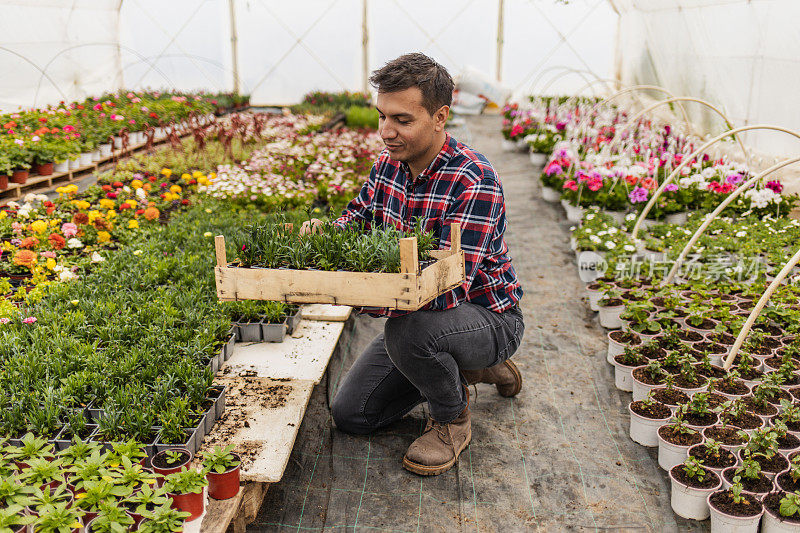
734 179
638 195
671 187
776 186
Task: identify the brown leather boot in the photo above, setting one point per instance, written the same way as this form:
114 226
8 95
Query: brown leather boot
438 448
505 376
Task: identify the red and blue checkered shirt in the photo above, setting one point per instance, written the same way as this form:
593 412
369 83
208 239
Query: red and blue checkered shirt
461 186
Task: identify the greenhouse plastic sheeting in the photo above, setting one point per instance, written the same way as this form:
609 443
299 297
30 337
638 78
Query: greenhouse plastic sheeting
740 54
74 42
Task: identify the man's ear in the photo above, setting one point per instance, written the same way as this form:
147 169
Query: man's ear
440 117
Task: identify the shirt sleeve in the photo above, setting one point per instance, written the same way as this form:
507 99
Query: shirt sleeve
360 208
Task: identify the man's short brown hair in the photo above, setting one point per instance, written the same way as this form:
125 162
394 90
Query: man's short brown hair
416 70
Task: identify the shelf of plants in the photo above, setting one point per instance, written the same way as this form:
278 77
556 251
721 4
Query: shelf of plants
110 329
333 265
729 440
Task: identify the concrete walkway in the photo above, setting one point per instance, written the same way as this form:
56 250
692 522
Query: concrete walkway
555 458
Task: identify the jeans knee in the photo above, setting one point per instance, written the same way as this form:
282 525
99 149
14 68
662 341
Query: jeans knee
406 335
347 417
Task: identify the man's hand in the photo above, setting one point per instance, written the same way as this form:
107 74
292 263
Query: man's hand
311 226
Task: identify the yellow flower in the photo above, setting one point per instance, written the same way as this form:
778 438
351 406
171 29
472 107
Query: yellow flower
197 174
55 222
51 263
202 181
207 234
107 203
39 226
212 175
103 236
74 302
208 210
133 224
175 188
111 214
93 214
166 171
186 177
136 184
3 214
132 203
137 252
167 196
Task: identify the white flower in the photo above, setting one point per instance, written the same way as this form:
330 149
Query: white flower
66 275
629 248
208 234
137 252
97 258
141 194
741 234
611 245
595 239
74 243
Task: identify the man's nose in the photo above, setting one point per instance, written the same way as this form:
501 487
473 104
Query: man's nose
386 131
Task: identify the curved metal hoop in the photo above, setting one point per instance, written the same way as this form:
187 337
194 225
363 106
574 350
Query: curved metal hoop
577 94
757 309
37 67
709 105
563 71
589 83
691 157
715 213
188 56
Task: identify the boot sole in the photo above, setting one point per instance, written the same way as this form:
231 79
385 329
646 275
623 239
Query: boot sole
518 385
435 470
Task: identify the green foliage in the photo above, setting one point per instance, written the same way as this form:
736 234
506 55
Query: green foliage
185 481
362 117
220 459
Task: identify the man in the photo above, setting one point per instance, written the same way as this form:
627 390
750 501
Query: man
425 174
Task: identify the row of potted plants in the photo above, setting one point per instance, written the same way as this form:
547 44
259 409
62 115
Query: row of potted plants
109 490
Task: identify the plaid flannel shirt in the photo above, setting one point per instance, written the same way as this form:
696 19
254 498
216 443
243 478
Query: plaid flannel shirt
461 186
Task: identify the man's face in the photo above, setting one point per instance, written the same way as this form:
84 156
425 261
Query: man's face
406 127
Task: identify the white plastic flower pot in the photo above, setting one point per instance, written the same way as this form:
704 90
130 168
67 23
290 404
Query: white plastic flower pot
75 164
618 216
538 159
645 430
614 348
677 218
594 298
609 316
670 454
105 150
520 144
622 376
724 523
641 390
61 167
117 142
574 212
87 158
689 502
550 195
771 523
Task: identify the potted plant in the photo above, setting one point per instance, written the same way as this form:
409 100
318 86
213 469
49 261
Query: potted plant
646 417
30 447
59 518
618 340
749 474
163 519
763 448
790 479
185 487
42 499
170 461
731 386
223 466
12 492
42 472
611 307
733 510
146 499
691 485
674 441
734 412
713 456
624 365
646 378
111 518
781 512
98 491
14 520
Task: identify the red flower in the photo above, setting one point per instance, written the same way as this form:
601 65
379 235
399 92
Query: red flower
107 188
184 202
124 205
56 241
29 242
151 178
153 115
140 211
118 184
111 195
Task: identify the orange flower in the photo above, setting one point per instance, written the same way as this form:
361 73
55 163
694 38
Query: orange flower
649 184
151 213
80 218
29 242
56 241
25 258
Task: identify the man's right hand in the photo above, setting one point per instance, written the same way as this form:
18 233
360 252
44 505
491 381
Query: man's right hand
311 226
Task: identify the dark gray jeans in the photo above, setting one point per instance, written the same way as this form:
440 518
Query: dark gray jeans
417 358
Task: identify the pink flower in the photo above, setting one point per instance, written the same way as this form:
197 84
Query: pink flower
97 107
571 185
69 229
5 320
670 187
776 186
29 320
48 254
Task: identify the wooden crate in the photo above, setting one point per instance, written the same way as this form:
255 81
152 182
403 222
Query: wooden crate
408 291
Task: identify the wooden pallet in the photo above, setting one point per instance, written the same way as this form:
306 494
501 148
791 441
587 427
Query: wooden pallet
409 290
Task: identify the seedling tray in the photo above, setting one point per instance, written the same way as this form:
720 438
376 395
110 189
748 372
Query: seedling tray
408 290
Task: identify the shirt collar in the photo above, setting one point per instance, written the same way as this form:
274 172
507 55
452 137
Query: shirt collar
441 159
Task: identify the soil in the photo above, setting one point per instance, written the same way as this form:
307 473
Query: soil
652 351
751 375
772 343
736 387
772 501
669 434
726 435
161 460
767 409
776 463
688 335
708 419
620 359
715 400
670 396
761 350
787 483
656 411
643 375
706 324
788 442
760 485
710 480
795 392
721 338
769 330
711 347
723 459
781 395
714 371
791 424
625 337
611 302
745 421
773 362
684 383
